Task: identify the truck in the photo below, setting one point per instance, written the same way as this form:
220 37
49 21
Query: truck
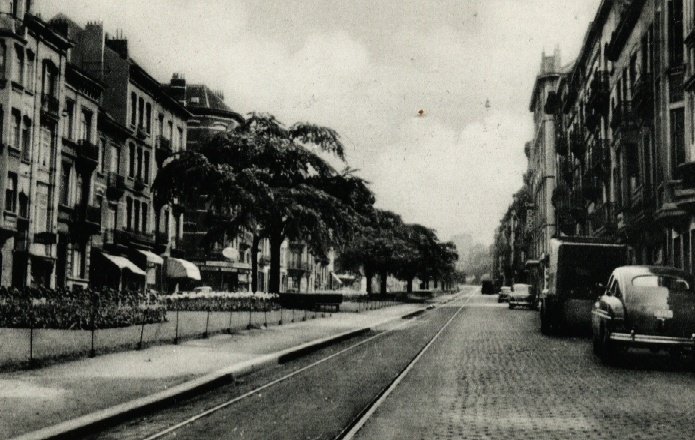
576 271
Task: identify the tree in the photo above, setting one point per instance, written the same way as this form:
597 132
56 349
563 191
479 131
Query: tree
274 182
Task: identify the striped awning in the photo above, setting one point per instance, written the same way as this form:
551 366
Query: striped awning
124 263
178 268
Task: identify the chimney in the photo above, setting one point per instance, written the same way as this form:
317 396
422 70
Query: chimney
88 52
119 44
177 88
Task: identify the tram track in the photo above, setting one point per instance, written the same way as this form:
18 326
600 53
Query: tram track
357 421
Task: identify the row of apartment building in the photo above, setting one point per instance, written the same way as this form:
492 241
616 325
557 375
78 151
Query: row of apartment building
83 131
613 154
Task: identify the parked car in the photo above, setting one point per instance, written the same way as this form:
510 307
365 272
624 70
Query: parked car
504 294
202 289
521 296
644 307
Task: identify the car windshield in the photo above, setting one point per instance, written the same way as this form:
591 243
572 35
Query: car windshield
673 283
520 288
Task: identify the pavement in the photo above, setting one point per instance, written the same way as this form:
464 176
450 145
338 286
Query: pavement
61 400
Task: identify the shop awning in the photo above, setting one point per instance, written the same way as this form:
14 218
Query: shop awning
178 268
124 263
336 279
230 253
152 257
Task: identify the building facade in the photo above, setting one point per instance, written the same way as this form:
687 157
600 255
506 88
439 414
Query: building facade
625 132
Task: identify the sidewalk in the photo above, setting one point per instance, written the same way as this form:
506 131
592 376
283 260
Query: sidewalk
63 397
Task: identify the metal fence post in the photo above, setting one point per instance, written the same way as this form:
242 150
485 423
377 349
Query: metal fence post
31 333
92 350
265 314
207 324
176 331
142 328
280 323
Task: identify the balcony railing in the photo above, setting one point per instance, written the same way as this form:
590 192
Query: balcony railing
115 186
604 217
139 184
599 158
577 145
50 105
299 266
87 219
87 155
624 118
599 92
128 236
142 132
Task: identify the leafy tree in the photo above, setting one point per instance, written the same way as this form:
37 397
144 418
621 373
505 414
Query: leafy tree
274 182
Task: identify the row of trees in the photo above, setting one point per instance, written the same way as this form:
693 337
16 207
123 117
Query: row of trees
275 182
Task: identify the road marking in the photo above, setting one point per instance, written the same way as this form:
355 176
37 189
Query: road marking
372 409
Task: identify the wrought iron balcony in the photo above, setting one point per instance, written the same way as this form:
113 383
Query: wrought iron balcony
599 92
561 146
599 158
142 132
50 106
577 145
86 219
87 155
565 170
624 118
139 184
115 186
128 236
299 266
604 217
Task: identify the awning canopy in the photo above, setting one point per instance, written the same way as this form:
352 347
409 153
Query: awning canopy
177 268
152 257
336 279
124 263
230 253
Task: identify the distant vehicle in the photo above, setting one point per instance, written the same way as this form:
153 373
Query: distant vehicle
521 296
645 307
487 287
503 296
202 289
576 271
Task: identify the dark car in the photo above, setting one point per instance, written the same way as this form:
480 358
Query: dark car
645 307
487 287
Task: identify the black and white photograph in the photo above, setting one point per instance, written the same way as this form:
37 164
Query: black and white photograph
347 220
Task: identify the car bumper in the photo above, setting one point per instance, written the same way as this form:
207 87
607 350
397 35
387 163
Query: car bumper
652 340
521 301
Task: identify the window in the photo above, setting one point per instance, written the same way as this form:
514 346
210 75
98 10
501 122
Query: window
102 155
70 114
144 217
139 163
677 138
85 125
160 128
42 197
146 163
26 139
11 193
19 65
23 206
633 168
64 185
133 108
141 113
15 134
180 139
129 212
136 217
46 146
148 117
78 261
50 76
3 60
116 159
131 160
79 189
31 71
675 32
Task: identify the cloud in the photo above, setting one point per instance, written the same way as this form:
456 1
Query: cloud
453 181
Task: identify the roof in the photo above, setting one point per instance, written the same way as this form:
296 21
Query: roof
201 100
632 271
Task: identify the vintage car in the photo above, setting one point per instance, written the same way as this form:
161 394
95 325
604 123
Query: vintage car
503 296
521 296
644 307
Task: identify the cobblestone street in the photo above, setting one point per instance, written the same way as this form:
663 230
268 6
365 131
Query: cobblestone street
492 375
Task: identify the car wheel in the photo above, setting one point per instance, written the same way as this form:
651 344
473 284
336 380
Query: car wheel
512 306
608 350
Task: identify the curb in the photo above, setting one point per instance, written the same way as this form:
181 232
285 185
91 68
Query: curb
71 429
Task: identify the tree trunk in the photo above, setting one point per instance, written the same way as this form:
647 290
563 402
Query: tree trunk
369 275
409 286
274 277
435 284
254 263
383 276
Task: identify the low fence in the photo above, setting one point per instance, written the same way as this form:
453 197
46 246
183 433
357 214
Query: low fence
102 328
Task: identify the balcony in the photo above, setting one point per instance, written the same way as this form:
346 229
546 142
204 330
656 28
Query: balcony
299 266
624 120
592 188
603 218
139 184
129 237
163 151
560 141
565 170
599 158
9 223
50 106
264 260
577 145
599 92
141 132
115 186
86 219
643 97
87 156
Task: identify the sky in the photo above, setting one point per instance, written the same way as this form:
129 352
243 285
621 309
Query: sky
366 68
